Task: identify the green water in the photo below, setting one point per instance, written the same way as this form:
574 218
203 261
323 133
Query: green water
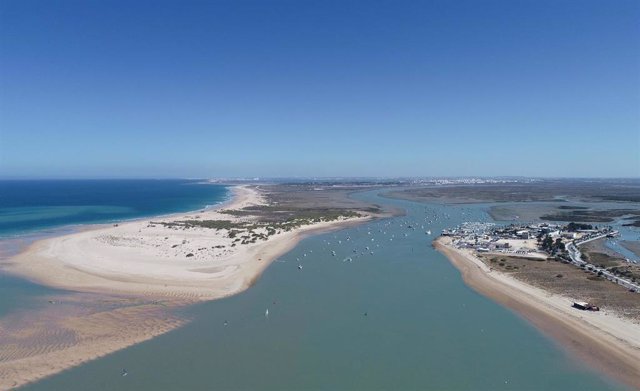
423 328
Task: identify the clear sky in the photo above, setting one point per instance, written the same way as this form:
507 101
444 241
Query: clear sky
319 88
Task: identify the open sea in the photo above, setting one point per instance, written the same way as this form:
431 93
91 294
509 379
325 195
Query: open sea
386 312
30 206
35 209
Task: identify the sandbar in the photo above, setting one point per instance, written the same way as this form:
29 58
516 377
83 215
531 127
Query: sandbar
123 280
147 257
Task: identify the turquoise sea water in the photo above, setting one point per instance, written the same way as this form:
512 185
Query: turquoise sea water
32 206
30 210
386 312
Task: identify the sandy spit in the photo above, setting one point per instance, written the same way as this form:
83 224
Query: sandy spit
147 258
125 280
606 342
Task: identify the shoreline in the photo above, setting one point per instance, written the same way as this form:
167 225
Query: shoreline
123 271
68 229
143 257
605 342
44 341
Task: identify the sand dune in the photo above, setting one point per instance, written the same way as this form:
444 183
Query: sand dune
151 257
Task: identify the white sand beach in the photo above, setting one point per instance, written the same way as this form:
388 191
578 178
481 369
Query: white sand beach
142 270
149 258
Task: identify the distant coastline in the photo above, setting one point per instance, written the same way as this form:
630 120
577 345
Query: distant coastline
605 342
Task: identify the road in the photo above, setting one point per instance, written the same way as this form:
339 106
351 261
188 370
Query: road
576 259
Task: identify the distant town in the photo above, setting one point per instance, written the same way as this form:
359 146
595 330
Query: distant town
385 181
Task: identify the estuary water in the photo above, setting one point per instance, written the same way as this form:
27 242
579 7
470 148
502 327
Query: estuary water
385 312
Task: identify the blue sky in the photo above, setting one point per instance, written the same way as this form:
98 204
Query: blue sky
327 88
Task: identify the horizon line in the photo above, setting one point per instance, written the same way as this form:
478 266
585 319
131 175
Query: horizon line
266 178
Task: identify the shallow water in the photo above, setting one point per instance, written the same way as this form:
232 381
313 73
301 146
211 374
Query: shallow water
33 210
400 318
519 212
30 206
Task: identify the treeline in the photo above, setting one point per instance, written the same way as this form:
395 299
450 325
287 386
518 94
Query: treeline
572 227
549 245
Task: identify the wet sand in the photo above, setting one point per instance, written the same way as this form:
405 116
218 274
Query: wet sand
632 245
126 282
74 328
604 341
153 258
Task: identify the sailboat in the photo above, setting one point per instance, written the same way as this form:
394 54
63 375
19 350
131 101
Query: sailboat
266 313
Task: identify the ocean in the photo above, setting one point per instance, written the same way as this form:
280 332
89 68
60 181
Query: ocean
31 210
33 206
386 312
